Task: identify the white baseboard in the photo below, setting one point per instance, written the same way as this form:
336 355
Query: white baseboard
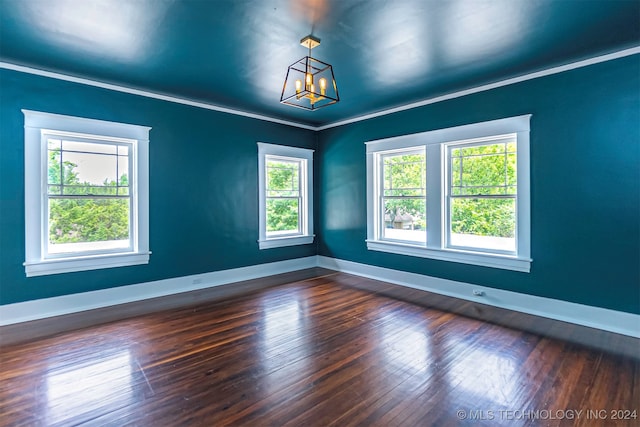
593 317
66 304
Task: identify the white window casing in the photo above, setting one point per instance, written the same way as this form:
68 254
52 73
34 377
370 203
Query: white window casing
436 143
39 128
304 159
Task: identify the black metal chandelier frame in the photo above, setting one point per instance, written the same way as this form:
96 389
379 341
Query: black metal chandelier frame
310 83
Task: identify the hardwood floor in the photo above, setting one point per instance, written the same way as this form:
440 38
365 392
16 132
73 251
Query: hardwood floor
331 350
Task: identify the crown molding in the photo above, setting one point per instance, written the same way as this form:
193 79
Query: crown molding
482 88
149 94
208 106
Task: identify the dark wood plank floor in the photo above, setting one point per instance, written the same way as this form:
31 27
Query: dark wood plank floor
333 350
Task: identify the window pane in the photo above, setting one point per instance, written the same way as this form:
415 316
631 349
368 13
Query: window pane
404 196
54 172
511 169
89 147
488 169
283 216
54 144
123 171
483 223
82 224
88 168
91 169
283 178
405 219
404 175
55 189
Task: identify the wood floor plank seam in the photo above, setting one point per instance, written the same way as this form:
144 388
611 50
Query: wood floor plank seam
333 350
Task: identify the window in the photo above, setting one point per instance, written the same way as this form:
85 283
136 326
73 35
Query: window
86 194
285 195
459 194
403 195
481 195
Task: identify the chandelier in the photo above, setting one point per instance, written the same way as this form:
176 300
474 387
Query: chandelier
310 83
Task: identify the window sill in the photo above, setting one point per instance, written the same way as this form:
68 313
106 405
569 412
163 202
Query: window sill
285 241
84 263
505 262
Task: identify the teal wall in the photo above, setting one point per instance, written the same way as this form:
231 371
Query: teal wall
203 185
585 184
585 188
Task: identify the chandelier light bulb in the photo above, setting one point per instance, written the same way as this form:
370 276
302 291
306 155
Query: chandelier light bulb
305 76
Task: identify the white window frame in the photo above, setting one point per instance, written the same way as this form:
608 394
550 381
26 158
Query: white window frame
436 142
305 233
37 127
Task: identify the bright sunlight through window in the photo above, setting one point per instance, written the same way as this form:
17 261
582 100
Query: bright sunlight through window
285 185
459 194
86 194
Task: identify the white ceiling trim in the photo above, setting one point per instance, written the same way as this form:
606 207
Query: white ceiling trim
428 101
148 94
525 77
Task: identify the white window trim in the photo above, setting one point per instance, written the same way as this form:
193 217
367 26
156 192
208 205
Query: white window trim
306 236
35 192
434 142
